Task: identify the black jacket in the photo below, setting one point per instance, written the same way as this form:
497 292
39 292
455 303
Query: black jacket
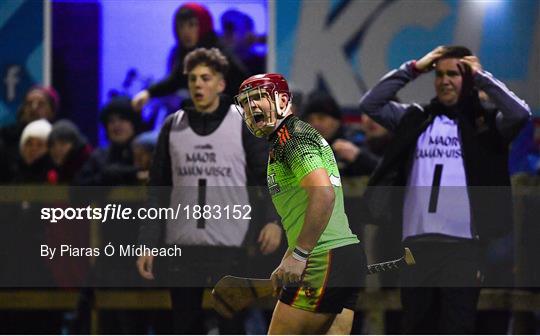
35 173
485 157
109 166
161 175
484 139
365 162
9 151
177 80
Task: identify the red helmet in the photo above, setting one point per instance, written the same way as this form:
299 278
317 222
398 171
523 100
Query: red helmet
271 81
261 118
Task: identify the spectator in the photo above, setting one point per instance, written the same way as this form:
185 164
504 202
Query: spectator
39 103
324 114
28 231
68 150
143 149
377 137
211 248
24 230
451 142
33 163
113 165
239 36
193 28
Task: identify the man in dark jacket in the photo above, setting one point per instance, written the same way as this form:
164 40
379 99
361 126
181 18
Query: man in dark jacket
113 165
441 154
207 155
352 155
193 28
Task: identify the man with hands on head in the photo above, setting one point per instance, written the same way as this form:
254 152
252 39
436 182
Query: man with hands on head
319 276
441 153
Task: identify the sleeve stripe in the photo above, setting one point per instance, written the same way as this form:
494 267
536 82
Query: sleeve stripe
492 80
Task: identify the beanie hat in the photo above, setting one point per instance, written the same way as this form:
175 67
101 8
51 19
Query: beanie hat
65 130
121 106
52 95
36 129
234 20
322 102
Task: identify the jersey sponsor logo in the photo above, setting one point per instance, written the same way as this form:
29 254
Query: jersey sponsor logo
273 187
207 146
335 180
324 142
271 179
283 135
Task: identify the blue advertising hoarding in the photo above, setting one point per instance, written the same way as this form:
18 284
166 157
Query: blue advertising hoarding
25 52
347 46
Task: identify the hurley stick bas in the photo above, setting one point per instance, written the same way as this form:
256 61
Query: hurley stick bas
232 294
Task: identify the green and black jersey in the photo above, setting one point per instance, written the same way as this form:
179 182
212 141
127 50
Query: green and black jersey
297 149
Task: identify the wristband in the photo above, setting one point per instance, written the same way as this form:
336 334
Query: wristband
300 254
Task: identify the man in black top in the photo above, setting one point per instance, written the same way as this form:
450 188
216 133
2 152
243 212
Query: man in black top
441 154
193 28
208 148
353 156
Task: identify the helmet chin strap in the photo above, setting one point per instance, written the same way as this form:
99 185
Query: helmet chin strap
285 112
281 117
280 114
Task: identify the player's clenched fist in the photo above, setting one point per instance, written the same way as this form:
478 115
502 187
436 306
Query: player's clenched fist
288 272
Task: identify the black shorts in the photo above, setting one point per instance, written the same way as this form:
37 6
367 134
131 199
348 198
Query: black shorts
331 281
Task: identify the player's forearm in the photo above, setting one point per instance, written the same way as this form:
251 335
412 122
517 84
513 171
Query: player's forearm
318 213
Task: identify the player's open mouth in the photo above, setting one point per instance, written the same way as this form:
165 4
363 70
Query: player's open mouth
198 96
258 117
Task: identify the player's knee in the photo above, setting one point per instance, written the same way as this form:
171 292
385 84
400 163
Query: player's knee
342 324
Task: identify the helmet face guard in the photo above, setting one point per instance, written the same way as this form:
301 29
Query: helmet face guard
259 102
258 109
